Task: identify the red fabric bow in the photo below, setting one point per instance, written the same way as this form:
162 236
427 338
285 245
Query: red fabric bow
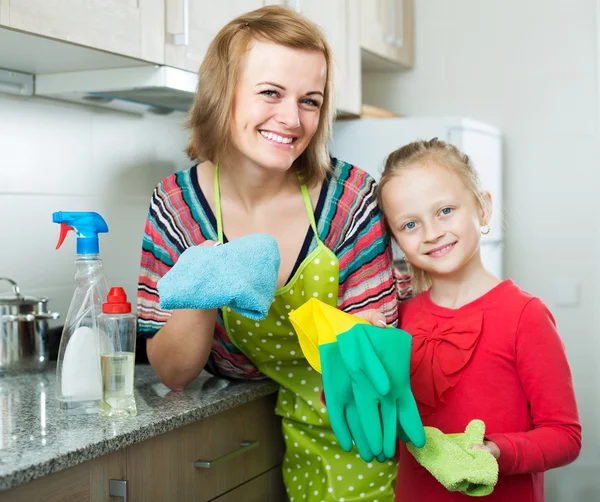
441 348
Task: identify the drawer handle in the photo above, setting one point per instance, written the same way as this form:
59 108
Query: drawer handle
118 488
244 447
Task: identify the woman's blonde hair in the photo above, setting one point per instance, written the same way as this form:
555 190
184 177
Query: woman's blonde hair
437 152
210 116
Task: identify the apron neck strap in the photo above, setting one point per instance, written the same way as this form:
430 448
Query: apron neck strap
219 217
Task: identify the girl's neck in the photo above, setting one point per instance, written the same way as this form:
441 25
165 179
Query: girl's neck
464 286
252 184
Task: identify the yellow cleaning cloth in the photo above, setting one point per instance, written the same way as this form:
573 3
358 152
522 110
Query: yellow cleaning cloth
452 461
317 323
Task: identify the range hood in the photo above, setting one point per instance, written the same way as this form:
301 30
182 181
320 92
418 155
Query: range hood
141 89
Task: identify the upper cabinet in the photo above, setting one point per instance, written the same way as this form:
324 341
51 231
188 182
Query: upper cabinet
386 34
339 20
132 28
191 25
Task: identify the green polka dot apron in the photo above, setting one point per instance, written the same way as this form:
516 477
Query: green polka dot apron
315 468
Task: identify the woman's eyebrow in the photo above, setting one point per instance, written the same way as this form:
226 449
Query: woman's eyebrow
279 86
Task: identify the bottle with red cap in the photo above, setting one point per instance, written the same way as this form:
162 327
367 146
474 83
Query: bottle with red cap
117 359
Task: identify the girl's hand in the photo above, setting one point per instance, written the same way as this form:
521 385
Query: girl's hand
489 446
373 316
210 243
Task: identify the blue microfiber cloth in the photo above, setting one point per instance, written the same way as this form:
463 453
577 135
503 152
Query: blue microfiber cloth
241 274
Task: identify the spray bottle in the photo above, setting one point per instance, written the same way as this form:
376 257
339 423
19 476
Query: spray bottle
78 376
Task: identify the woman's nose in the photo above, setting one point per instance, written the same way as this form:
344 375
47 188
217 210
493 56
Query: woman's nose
288 115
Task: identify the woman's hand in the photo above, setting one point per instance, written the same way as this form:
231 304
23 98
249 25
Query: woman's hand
490 447
373 316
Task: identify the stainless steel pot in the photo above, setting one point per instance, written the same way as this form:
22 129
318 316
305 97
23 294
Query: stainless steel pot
23 332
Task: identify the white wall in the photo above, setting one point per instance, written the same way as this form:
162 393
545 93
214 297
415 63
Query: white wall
62 157
530 68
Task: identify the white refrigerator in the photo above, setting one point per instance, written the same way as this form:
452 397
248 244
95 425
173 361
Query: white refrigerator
367 142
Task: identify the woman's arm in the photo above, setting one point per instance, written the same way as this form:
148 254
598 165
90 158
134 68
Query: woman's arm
364 250
180 349
178 343
546 378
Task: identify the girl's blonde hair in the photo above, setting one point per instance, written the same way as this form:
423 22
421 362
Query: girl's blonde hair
437 152
210 116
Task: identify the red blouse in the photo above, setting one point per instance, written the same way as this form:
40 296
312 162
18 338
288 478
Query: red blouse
499 359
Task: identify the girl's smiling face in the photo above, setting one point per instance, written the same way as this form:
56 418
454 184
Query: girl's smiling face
435 219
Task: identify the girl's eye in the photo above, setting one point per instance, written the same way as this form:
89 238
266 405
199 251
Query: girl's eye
446 210
410 225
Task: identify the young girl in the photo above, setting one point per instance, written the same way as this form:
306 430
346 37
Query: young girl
482 348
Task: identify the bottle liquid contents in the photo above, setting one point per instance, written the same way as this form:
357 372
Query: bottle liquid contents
78 377
117 358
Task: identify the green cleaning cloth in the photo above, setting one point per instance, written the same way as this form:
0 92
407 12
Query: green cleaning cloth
452 461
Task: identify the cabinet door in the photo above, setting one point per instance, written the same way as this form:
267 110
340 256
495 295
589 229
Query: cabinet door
339 19
267 487
191 26
129 27
235 447
87 482
386 34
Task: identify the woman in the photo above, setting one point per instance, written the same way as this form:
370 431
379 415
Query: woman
260 127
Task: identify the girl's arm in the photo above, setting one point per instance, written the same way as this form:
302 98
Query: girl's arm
546 378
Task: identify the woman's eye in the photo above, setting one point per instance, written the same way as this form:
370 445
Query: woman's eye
270 93
311 102
410 225
446 210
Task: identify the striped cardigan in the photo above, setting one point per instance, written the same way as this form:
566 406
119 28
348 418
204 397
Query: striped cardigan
348 221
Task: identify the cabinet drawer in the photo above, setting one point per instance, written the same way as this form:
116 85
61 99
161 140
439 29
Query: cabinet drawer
267 487
163 468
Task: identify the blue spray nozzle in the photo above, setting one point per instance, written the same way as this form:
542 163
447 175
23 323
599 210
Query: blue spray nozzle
86 224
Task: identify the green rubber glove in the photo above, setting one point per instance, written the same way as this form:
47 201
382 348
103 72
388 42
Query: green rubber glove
395 414
361 360
341 406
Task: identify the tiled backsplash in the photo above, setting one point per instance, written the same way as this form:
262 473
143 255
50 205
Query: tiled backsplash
62 157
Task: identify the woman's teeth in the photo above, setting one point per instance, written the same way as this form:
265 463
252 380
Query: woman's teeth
275 137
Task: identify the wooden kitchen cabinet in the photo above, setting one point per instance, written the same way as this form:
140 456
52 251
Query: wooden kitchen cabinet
162 468
191 25
132 28
87 482
386 34
267 487
339 20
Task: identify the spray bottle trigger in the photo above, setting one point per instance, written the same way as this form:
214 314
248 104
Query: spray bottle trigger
64 230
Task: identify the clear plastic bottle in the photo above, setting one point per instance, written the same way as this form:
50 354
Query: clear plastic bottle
78 375
117 360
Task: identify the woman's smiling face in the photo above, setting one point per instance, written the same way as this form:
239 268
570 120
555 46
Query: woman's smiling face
277 104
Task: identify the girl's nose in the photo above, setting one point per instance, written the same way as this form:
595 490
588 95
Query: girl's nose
433 232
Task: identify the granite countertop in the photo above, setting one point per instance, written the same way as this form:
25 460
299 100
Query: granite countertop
37 438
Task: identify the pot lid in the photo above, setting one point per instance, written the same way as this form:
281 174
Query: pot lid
16 298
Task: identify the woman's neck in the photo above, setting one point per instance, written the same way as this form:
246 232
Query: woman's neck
252 184
464 286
